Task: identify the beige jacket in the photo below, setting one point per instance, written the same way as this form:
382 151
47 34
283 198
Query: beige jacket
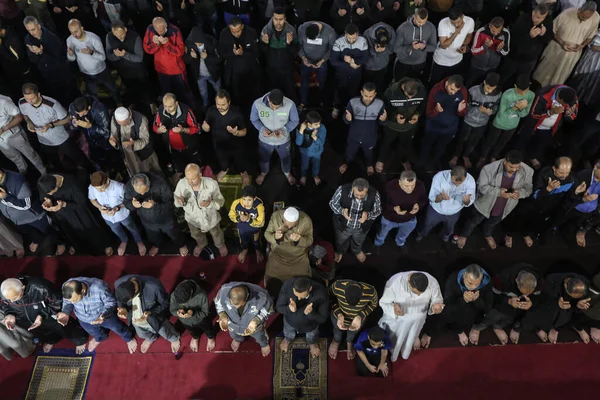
203 218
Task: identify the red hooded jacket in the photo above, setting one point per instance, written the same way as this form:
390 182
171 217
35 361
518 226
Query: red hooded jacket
540 110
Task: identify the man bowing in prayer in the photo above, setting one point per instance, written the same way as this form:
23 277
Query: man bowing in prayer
407 300
290 234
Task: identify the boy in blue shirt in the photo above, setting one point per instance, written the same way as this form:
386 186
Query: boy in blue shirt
372 348
310 140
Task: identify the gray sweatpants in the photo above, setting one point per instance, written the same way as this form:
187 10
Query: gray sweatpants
15 145
167 331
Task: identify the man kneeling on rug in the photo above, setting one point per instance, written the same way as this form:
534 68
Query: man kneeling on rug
144 302
304 304
243 310
95 307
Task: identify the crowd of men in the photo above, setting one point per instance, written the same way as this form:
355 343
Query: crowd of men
495 84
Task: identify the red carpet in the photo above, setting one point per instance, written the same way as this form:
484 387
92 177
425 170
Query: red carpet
515 372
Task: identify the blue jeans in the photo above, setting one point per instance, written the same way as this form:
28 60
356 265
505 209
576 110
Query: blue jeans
433 218
289 332
265 151
244 17
306 160
129 224
305 73
203 82
404 230
112 323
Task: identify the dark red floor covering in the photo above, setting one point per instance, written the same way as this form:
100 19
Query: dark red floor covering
487 372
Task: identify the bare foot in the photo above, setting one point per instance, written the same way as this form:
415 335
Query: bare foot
337 258
585 338
379 167
370 170
93 344
315 350
514 336
223 251
221 175
491 242
453 161
317 180
145 346
463 339
80 349
33 247
580 237
259 256
291 181
303 181
474 337
72 250
183 251
553 336
46 347
210 344
265 351
333 349
245 179
467 162
235 345
242 256
351 353
460 243
194 345
417 344
595 334
528 241
175 346
508 241
19 253
153 251
502 336
121 249
132 346
60 249
361 257
197 251
285 344
542 335
425 341
108 251
260 178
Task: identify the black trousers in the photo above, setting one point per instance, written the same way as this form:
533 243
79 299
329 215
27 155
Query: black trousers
377 78
36 231
70 149
468 139
439 72
156 234
434 144
510 69
459 318
51 332
283 80
181 158
411 71
137 92
495 141
361 368
403 144
228 155
206 326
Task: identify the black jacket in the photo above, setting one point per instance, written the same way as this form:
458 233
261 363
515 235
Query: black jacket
153 296
506 287
453 295
161 193
279 56
212 61
244 64
397 102
13 54
351 16
522 47
52 62
301 322
548 202
40 298
554 316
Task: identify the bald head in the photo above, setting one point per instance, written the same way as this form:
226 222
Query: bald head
76 29
562 167
193 174
238 296
12 289
526 282
160 25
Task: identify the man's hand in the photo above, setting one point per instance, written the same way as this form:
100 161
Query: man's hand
2 193
278 234
399 211
122 312
581 188
347 59
500 46
535 31
345 214
148 204
360 11
113 141
584 304
10 322
193 53
43 128
371 368
83 124
400 119
552 184
244 217
180 200
206 202
98 320
308 309
292 306
557 110
238 51
439 108
341 12
136 203
36 323
177 129
463 49
542 30
295 237
383 116
62 318
379 6
442 196
224 323
87 50
383 368
398 310
363 217
70 51
232 129
182 314
521 104
467 199
205 126
396 6
415 209
159 7
289 37
264 38
251 328
267 133
57 10
340 323
414 119
129 143
144 316
461 106
485 110
488 42
161 129
586 198
505 194
564 305
204 55
437 308
356 323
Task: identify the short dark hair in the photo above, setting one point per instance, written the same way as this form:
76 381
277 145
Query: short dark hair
118 24
567 95
302 284
492 79
98 178
422 13
541 8
184 291
377 334
235 21
30 88
312 31
455 13
125 291
279 10
369 87
411 87
68 290
249 191
523 82
456 80
514 157
223 94
351 29
46 184
313 117
353 293
276 97
81 104
419 281
497 22
360 183
382 37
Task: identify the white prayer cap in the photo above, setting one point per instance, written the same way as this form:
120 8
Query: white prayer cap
291 214
121 114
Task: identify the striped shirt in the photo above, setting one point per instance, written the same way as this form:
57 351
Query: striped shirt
48 111
367 303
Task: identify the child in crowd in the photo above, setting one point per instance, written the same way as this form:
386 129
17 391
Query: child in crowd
310 139
372 348
248 213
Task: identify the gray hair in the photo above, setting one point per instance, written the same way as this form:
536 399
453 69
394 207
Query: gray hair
11 285
139 180
458 171
159 20
408 175
30 20
360 184
589 6
526 280
474 270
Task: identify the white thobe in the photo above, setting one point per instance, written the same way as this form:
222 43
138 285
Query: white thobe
405 329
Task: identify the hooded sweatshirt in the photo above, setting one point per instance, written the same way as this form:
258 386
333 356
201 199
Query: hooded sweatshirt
507 118
406 34
397 102
378 61
488 58
319 48
477 98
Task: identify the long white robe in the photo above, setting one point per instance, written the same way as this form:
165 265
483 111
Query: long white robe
404 330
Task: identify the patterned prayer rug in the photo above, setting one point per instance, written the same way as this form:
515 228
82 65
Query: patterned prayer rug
59 378
296 375
231 189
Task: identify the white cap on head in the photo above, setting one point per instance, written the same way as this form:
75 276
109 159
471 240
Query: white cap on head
121 114
291 214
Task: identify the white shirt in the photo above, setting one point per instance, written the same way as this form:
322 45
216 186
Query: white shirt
136 313
449 56
8 110
548 123
442 181
48 111
112 197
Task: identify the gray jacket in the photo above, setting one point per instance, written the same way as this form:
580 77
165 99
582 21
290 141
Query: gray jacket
378 61
477 98
489 187
198 303
319 48
285 118
259 305
406 34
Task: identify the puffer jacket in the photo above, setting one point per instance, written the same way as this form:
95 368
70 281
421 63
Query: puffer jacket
99 133
39 298
478 98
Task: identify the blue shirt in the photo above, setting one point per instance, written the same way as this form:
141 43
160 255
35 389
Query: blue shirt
363 344
112 197
443 181
99 300
590 206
